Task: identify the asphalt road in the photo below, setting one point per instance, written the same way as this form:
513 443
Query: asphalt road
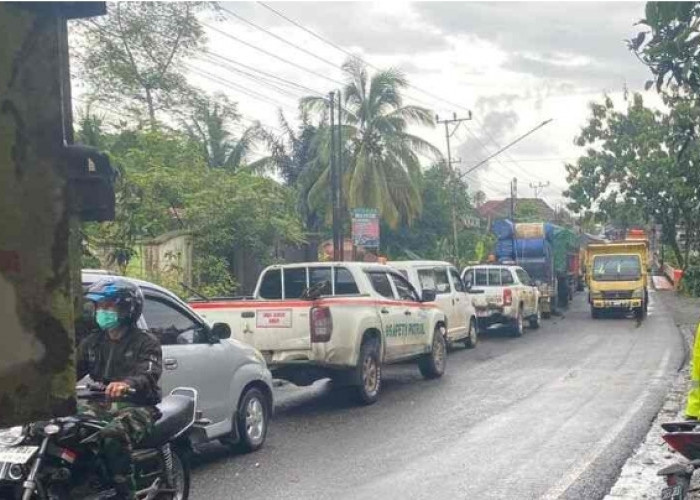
553 414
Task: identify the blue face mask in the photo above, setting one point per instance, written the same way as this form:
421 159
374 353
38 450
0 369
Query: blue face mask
107 319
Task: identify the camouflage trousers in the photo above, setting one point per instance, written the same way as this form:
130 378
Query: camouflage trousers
125 427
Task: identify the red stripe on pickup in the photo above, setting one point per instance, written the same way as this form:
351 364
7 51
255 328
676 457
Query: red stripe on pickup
304 304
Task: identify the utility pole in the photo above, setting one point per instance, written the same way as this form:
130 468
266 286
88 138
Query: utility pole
450 166
537 188
339 183
513 196
334 191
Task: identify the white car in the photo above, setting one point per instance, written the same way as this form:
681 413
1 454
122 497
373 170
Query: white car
342 321
510 296
234 386
451 295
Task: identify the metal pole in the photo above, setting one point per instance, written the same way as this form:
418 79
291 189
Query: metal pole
332 159
454 208
339 174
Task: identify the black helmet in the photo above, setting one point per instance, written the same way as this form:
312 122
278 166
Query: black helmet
126 296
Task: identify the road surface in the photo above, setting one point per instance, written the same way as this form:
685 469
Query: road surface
553 414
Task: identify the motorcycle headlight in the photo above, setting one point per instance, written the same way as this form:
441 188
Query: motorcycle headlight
12 436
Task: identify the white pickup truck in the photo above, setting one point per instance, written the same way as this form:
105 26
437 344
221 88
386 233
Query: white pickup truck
337 320
510 296
453 297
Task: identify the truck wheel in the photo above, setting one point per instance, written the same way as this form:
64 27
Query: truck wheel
535 320
518 327
432 365
473 335
369 373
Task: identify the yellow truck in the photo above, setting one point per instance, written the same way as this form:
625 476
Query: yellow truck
616 275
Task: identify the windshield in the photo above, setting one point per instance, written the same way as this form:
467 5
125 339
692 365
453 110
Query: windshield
616 268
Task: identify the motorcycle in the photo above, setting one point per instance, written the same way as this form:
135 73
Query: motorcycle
684 437
59 459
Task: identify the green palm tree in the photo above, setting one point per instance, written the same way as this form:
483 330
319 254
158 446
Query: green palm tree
208 124
381 167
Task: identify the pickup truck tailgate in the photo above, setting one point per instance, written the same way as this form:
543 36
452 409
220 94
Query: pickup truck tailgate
265 325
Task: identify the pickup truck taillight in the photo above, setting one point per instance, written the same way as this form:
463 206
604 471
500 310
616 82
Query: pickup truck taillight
507 297
321 324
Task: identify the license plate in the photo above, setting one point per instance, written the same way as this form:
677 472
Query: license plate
672 492
18 454
615 303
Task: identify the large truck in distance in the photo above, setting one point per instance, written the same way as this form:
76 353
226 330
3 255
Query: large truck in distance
550 255
616 275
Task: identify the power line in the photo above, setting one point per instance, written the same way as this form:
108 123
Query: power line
281 90
270 75
337 47
265 30
240 88
279 58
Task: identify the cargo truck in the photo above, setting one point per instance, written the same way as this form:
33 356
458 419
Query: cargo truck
550 255
617 275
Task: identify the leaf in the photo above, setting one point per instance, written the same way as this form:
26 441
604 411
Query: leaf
649 84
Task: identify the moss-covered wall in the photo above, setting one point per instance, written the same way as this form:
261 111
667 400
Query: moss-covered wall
36 247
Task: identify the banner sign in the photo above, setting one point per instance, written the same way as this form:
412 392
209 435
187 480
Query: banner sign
365 227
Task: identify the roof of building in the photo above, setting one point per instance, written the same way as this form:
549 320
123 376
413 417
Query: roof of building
495 209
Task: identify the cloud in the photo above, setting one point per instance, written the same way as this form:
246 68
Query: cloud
354 25
554 31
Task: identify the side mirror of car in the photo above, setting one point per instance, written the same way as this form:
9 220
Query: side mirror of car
221 331
428 295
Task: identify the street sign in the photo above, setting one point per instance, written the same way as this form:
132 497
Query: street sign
365 227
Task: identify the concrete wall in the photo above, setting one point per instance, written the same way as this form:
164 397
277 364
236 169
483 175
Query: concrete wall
169 253
39 258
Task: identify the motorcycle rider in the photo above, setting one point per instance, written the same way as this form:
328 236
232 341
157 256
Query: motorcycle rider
125 359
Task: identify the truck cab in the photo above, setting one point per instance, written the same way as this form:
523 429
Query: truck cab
617 277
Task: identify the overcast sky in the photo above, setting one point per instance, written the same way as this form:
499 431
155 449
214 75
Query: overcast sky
513 64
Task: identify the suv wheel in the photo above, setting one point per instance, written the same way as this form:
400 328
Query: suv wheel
518 327
535 320
432 365
472 336
251 421
369 373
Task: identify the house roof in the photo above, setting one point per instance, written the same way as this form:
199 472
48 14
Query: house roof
495 209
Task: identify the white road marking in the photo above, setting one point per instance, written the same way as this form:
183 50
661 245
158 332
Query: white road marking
573 474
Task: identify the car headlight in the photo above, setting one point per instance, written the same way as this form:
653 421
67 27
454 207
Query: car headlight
596 295
12 436
638 293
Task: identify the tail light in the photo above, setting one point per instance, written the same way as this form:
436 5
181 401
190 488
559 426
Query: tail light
507 297
685 443
321 324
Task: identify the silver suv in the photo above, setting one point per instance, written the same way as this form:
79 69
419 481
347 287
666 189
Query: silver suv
234 384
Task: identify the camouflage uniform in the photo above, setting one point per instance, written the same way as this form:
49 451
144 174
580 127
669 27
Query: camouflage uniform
126 427
136 359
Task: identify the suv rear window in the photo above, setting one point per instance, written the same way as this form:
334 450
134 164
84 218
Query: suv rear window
490 276
344 282
271 285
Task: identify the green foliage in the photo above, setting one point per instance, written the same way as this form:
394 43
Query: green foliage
634 168
381 165
430 235
133 57
166 184
671 46
527 211
690 283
